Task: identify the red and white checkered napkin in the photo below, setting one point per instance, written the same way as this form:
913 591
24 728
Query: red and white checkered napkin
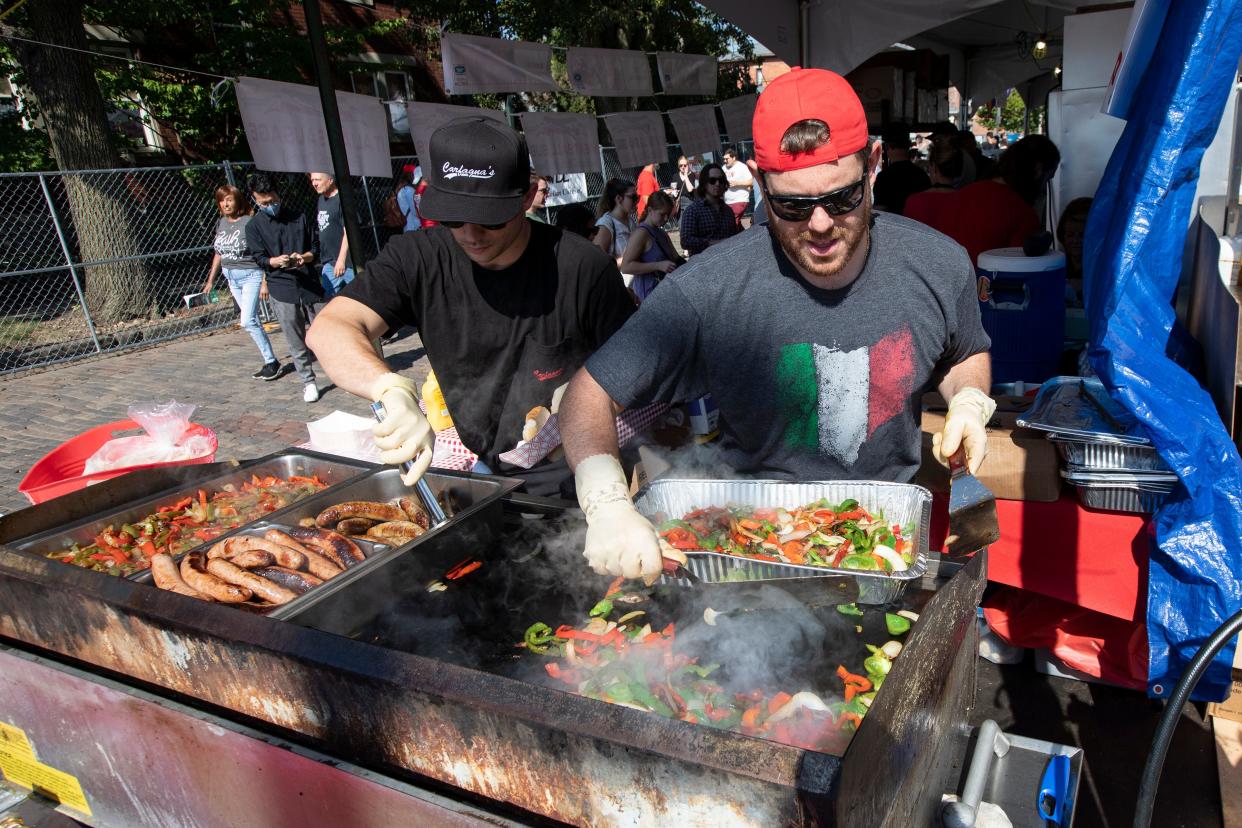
451 454
630 422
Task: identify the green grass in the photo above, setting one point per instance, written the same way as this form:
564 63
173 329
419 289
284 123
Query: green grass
14 330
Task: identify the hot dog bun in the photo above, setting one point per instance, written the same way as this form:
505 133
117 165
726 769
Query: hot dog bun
536 418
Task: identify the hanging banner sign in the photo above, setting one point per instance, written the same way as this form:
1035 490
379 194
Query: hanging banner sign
687 74
567 189
426 118
739 116
696 129
285 128
638 137
617 73
488 64
562 142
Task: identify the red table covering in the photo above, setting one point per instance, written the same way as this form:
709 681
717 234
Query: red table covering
1091 559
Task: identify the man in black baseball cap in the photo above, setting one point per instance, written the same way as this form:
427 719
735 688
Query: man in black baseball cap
508 309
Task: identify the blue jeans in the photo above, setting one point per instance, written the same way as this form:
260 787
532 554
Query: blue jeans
331 284
244 285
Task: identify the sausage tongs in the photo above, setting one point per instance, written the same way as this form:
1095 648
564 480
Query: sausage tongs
434 512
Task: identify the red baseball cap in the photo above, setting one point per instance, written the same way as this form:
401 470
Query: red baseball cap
808 94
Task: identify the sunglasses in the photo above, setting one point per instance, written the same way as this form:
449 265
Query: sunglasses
836 203
715 180
456 225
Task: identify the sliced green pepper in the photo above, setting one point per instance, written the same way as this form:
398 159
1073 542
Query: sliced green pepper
859 562
702 671
897 624
538 637
602 609
849 609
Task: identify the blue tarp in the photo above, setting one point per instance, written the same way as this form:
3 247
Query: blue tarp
1133 258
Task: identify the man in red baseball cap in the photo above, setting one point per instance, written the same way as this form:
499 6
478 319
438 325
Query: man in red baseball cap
816 334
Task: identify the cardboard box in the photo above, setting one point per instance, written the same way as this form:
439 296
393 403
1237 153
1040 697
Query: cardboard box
1021 464
1231 707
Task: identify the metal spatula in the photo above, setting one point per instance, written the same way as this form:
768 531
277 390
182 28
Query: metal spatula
972 510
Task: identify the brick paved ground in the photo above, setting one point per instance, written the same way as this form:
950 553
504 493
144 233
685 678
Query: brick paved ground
39 411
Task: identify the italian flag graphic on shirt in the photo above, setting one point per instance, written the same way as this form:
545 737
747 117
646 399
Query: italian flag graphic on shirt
833 401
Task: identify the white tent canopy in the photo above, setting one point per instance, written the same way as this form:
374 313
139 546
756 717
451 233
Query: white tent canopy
981 37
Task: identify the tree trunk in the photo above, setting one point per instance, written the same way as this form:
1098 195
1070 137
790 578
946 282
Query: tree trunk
73 110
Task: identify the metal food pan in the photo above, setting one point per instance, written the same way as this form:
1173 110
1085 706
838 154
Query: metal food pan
375 552
331 470
475 508
1090 456
1079 407
1121 497
901 503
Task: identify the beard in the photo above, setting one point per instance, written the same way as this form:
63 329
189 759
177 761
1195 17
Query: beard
847 236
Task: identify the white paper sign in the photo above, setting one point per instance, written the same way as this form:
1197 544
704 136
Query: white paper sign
567 189
739 116
426 118
696 129
638 137
285 128
608 72
687 74
488 64
562 142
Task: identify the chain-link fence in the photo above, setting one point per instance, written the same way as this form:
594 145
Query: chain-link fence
100 260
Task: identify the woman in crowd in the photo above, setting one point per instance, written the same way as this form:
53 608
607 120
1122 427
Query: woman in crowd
407 201
246 281
577 218
708 220
615 218
687 183
944 162
650 255
646 185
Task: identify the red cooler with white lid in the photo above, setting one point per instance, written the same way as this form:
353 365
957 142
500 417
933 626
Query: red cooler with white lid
1022 302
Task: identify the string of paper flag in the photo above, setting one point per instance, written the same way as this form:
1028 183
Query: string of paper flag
284 121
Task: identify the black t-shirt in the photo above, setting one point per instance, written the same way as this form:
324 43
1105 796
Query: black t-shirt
330 230
897 182
269 237
811 384
500 341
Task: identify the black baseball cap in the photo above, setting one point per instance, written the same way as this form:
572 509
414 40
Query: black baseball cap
479 172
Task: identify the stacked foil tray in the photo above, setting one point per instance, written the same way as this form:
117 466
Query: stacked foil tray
1108 457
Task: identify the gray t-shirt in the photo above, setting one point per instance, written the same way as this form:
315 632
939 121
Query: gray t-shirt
230 243
811 384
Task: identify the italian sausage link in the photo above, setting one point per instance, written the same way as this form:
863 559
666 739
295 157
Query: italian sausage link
219 549
285 554
193 570
164 572
370 510
415 511
228 571
354 526
290 579
336 546
395 532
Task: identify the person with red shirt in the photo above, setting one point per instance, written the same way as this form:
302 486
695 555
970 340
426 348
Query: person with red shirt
646 185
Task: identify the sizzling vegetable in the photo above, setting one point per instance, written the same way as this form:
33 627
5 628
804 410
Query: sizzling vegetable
624 661
182 525
844 536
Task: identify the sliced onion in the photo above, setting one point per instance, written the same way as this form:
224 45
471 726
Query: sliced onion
596 626
804 700
889 554
709 616
913 616
892 649
570 655
627 617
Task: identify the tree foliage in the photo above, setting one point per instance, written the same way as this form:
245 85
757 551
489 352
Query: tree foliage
1012 114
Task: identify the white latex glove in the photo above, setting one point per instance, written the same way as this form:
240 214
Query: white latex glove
619 541
404 433
965 425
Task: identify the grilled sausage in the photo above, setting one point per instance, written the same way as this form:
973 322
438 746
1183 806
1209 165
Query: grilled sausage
286 554
354 526
370 510
226 570
290 579
334 545
164 572
193 570
395 532
415 511
248 558
218 549
318 565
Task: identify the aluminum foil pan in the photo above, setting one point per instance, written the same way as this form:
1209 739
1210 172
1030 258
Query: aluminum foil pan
901 503
1080 408
1083 455
1121 497
1156 481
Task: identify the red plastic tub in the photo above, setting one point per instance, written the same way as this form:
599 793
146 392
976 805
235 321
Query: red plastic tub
60 470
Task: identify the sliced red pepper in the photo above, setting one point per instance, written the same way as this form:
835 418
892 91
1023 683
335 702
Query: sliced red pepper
778 701
794 551
147 548
842 552
751 717
614 587
681 538
462 570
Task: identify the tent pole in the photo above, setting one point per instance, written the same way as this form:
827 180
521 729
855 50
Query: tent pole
804 34
336 138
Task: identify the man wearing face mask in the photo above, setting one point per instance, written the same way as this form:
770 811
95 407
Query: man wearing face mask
816 334
280 241
508 308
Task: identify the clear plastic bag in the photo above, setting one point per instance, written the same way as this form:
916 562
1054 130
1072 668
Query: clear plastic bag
165 440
